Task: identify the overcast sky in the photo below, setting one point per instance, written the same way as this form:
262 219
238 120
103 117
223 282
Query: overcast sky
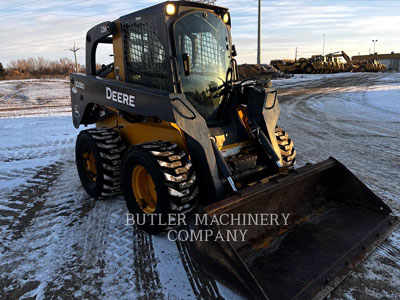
47 28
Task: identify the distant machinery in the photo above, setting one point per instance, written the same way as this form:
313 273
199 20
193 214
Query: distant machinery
391 60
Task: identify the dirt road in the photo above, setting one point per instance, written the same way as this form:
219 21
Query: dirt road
57 242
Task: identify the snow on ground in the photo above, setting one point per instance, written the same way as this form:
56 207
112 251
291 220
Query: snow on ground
34 97
32 143
360 128
58 242
358 123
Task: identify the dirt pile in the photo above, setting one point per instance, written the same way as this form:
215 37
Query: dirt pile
264 71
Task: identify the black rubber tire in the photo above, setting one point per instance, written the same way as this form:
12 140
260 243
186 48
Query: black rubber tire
108 148
174 178
308 69
363 69
288 152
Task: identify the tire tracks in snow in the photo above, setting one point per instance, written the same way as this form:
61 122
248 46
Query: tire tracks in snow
78 247
101 252
21 205
34 151
204 287
147 280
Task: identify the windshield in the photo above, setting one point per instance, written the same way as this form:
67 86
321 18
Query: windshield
205 38
319 58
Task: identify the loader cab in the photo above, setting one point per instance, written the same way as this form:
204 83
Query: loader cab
318 58
319 61
175 47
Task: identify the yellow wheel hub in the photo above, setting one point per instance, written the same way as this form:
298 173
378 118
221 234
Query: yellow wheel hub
144 189
90 165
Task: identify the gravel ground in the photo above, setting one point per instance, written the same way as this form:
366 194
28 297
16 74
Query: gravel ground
56 242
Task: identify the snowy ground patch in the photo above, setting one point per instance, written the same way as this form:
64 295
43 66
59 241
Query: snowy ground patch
55 241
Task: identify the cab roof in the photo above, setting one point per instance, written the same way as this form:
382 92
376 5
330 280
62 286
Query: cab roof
159 8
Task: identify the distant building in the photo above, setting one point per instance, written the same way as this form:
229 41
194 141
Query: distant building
391 60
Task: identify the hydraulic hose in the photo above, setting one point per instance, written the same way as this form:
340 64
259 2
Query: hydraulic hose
263 140
223 166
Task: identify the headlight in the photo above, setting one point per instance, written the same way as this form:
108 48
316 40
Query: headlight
170 9
225 18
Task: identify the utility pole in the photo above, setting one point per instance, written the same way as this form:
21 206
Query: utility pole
374 41
76 61
323 44
259 34
295 56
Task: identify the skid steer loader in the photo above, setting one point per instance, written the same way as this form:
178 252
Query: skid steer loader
178 132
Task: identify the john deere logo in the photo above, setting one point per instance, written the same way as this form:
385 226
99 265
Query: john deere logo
76 111
120 97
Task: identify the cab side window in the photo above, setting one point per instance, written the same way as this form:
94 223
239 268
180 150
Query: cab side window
145 57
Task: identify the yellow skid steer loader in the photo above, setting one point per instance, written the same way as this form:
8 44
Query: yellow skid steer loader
179 133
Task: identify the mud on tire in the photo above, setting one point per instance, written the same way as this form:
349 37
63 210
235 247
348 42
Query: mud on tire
105 148
288 152
174 180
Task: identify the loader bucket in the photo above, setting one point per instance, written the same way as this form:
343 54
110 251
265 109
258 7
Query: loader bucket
335 222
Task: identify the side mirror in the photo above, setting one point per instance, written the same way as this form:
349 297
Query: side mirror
186 63
234 53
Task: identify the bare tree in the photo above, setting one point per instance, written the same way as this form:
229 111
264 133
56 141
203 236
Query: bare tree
37 67
2 71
